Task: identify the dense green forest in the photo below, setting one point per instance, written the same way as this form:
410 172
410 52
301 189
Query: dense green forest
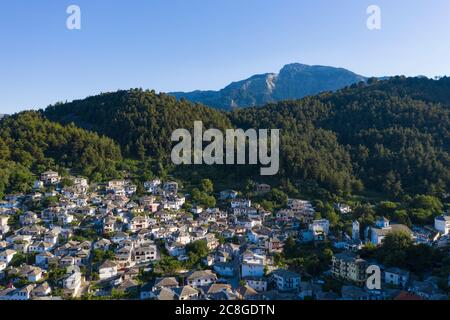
140 121
389 136
31 144
376 133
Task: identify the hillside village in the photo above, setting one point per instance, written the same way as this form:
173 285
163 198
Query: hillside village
69 239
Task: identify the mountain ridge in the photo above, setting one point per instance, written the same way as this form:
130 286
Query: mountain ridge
294 81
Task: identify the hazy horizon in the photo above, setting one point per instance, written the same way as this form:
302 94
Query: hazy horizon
176 45
198 89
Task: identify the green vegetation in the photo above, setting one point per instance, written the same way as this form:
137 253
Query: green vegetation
29 144
381 136
399 250
140 121
203 198
389 138
306 258
196 251
100 256
167 266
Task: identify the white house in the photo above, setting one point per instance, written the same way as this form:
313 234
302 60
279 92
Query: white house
4 221
396 276
252 265
241 203
124 257
39 246
258 284
173 203
72 280
138 223
248 223
355 231
17 294
197 210
65 218
171 187
225 269
82 201
51 237
286 280
102 244
50 177
119 237
182 237
38 185
116 184
175 249
442 224
107 270
42 259
228 194
383 228
4 228
42 290
201 278
321 226
80 181
152 186
34 274
146 254
7 255
343 208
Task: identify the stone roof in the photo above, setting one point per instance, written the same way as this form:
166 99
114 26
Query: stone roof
201 274
349 256
108 264
185 291
398 271
392 228
443 218
166 282
247 291
166 294
285 273
353 293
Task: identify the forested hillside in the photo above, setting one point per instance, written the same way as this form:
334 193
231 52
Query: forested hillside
400 141
418 88
397 143
141 121
29 144
389 136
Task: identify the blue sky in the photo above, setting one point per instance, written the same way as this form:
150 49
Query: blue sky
181 45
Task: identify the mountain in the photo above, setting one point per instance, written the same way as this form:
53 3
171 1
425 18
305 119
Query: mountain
294 81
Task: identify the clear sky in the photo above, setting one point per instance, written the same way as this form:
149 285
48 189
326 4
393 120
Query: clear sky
183 45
